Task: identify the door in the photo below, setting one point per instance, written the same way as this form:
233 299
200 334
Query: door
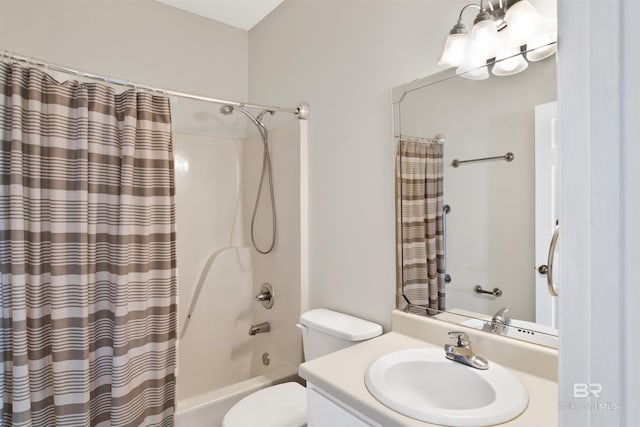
547 205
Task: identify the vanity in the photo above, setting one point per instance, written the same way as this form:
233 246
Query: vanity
338 395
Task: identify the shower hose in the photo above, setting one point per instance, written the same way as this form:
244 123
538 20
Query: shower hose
266 170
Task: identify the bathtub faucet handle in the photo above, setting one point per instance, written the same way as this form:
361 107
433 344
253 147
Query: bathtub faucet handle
266 296
263 296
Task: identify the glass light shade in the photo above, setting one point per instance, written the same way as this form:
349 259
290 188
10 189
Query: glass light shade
542 46
509 60
523 21
483 40
511 65
473 69
454 51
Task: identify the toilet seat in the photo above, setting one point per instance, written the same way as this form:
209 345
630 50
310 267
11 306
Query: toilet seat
282 405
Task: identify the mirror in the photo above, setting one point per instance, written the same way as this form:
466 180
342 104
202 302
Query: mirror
490 233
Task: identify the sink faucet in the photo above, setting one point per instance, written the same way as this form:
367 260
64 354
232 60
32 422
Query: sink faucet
461 352
500 320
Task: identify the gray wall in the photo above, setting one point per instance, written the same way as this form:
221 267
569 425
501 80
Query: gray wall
142 41
343 57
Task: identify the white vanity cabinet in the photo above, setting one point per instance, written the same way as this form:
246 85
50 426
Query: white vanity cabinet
324 410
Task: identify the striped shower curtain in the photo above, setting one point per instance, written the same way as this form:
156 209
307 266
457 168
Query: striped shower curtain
87 254
419 226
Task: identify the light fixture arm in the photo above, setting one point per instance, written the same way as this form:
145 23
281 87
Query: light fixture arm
477 6
483 15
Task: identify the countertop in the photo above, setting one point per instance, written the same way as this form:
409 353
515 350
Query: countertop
341 374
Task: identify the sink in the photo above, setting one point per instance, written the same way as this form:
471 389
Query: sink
422 384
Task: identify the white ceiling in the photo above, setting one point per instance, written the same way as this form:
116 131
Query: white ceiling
243 14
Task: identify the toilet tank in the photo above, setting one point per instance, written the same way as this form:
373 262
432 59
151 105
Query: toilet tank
325 331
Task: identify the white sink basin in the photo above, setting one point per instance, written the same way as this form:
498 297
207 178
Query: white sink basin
422 384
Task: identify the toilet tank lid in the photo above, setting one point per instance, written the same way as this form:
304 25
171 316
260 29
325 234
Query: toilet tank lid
340 325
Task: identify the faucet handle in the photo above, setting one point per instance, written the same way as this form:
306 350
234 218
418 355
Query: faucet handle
462 339
502 316
266 296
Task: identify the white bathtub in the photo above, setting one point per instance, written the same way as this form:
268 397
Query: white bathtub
208 409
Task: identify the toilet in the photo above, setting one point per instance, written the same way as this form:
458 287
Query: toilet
285 405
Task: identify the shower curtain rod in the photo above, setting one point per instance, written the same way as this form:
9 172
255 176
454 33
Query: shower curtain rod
301 111
438 139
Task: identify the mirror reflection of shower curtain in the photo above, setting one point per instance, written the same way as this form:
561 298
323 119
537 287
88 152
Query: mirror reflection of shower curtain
419 198
88 254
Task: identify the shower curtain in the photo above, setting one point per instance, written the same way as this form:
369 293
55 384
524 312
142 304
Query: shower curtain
420 252
87 254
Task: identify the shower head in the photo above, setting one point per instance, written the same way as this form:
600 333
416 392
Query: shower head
226 109
229 109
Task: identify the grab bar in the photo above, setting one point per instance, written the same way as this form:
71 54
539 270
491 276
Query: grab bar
550 258
507 157
496 292
548 267
445 210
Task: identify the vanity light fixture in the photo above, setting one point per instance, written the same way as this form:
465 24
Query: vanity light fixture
500 31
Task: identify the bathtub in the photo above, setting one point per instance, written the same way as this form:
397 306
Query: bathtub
208 409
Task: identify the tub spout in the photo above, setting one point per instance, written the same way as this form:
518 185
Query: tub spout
260 328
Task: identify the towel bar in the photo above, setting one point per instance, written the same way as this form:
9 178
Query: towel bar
507 157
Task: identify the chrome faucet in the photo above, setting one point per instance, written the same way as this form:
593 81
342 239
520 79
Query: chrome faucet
500 320
461 352
260 328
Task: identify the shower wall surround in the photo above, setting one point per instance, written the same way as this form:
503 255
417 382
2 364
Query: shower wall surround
208 219
216 182
282 267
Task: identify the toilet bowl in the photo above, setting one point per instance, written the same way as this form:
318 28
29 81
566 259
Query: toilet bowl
285 405
282 405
